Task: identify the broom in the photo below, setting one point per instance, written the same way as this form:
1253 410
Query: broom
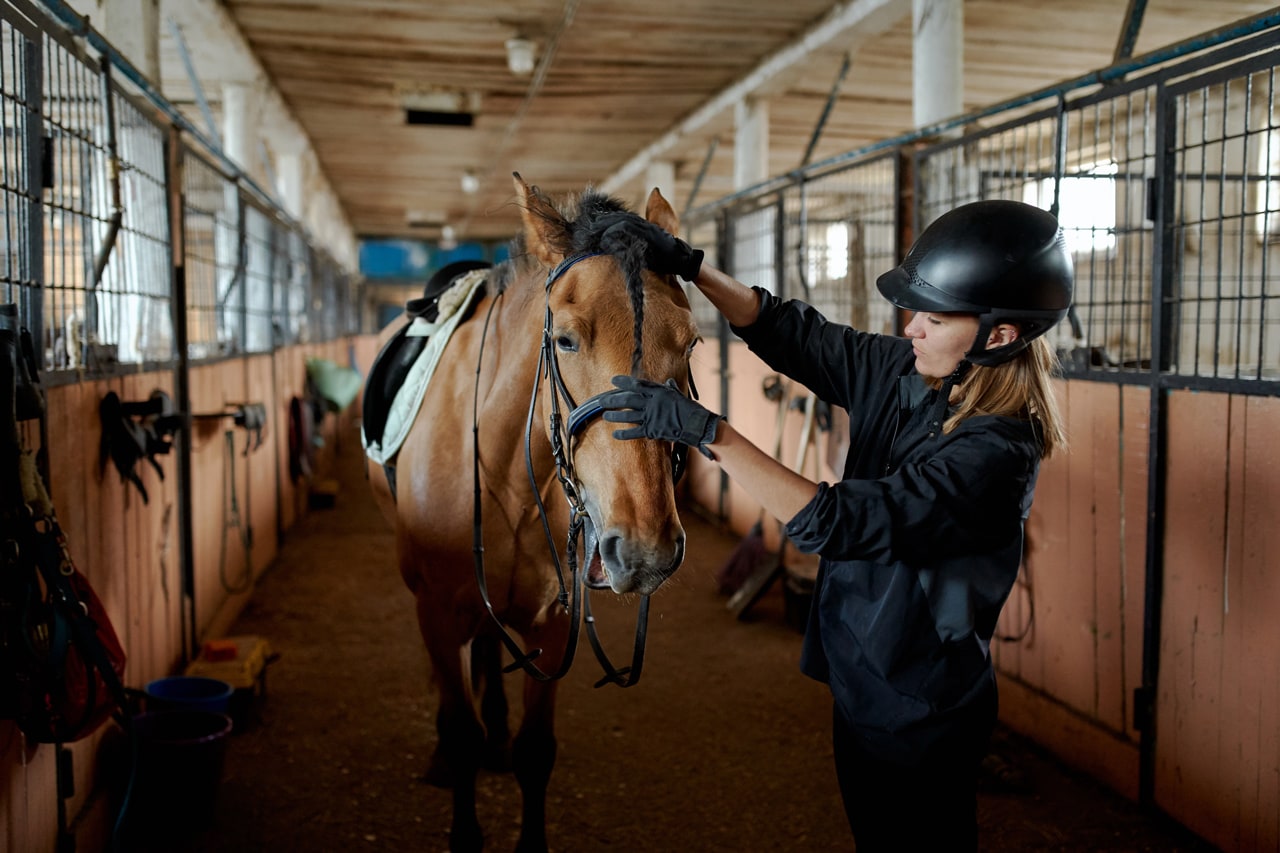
744 560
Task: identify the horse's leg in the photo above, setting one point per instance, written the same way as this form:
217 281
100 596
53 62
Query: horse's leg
486 681
486 672
460 736
533 753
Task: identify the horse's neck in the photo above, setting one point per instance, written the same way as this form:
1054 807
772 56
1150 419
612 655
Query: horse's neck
512 348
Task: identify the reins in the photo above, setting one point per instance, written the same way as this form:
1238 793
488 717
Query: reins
574 595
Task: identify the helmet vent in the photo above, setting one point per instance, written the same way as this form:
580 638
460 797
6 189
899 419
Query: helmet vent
909 266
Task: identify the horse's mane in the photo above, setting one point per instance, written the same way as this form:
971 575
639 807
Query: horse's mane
584 219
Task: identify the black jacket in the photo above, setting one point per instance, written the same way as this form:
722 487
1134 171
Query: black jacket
920 540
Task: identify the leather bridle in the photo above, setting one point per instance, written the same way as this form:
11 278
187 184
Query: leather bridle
574 595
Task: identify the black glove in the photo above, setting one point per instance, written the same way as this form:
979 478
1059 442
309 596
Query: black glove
659 411
663 253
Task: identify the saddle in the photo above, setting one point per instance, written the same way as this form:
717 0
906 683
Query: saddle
392 365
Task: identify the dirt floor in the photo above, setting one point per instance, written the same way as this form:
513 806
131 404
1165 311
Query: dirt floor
722 746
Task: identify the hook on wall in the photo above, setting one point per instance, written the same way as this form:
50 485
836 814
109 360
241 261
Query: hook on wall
251 417
136 430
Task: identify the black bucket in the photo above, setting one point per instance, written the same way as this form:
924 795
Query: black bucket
180 757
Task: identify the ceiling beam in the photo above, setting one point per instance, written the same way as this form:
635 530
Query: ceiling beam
853 20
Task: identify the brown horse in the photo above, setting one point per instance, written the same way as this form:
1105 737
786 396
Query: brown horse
477 479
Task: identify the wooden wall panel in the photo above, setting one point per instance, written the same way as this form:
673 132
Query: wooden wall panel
1191 631
1083 578
1107 565
1055 645
702 477
261 466
1249 760
1073 604
289 376
1135 470
108 497
219 555
28 810
160 537
1046 559
1237 747
154 624
1218 723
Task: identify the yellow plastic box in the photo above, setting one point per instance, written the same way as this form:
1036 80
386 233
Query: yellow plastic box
246 672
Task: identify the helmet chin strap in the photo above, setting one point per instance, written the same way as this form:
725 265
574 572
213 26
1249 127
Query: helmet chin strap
944 396
979 354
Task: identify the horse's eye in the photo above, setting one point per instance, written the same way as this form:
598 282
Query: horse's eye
564 343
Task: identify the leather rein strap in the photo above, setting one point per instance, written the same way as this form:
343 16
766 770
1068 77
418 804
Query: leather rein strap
573 595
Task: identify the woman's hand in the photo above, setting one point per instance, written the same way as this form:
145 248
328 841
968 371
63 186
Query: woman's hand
659 411
664 254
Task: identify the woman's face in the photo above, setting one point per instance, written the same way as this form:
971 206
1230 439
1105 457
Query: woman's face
940 341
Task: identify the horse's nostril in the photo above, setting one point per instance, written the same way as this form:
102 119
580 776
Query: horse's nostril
611 549
624 556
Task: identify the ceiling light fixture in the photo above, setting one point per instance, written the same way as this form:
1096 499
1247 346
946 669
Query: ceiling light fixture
470 183
448 239
520 55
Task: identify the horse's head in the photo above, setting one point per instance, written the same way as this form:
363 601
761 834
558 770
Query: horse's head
607 315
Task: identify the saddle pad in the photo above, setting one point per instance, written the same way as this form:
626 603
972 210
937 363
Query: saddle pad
404 408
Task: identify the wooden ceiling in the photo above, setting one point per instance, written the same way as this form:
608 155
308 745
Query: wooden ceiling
615 76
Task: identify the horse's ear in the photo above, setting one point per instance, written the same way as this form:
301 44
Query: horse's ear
659 212
546 234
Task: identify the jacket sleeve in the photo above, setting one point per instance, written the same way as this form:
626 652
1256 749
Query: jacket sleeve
967 497
834 361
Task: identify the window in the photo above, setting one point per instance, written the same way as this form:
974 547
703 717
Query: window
1267 186
828 253
1086 205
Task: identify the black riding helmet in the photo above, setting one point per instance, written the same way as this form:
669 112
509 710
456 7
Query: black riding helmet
1005 261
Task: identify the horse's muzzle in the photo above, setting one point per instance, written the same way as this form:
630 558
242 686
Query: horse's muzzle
630 565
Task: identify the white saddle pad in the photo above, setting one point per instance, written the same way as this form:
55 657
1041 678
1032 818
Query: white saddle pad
404 408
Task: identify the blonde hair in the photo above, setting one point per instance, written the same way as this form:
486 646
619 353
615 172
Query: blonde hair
1021 388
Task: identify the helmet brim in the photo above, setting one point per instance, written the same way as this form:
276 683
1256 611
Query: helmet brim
898 286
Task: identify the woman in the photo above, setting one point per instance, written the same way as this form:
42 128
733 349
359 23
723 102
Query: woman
921 538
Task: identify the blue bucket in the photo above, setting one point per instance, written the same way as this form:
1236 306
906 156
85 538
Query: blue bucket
189 693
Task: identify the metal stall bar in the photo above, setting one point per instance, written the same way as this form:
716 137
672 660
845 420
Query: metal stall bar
21 164
1163 279
1236 35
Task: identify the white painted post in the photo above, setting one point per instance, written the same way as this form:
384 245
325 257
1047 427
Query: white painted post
937 61
750 142
290 171
660 174
133 28
237 138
